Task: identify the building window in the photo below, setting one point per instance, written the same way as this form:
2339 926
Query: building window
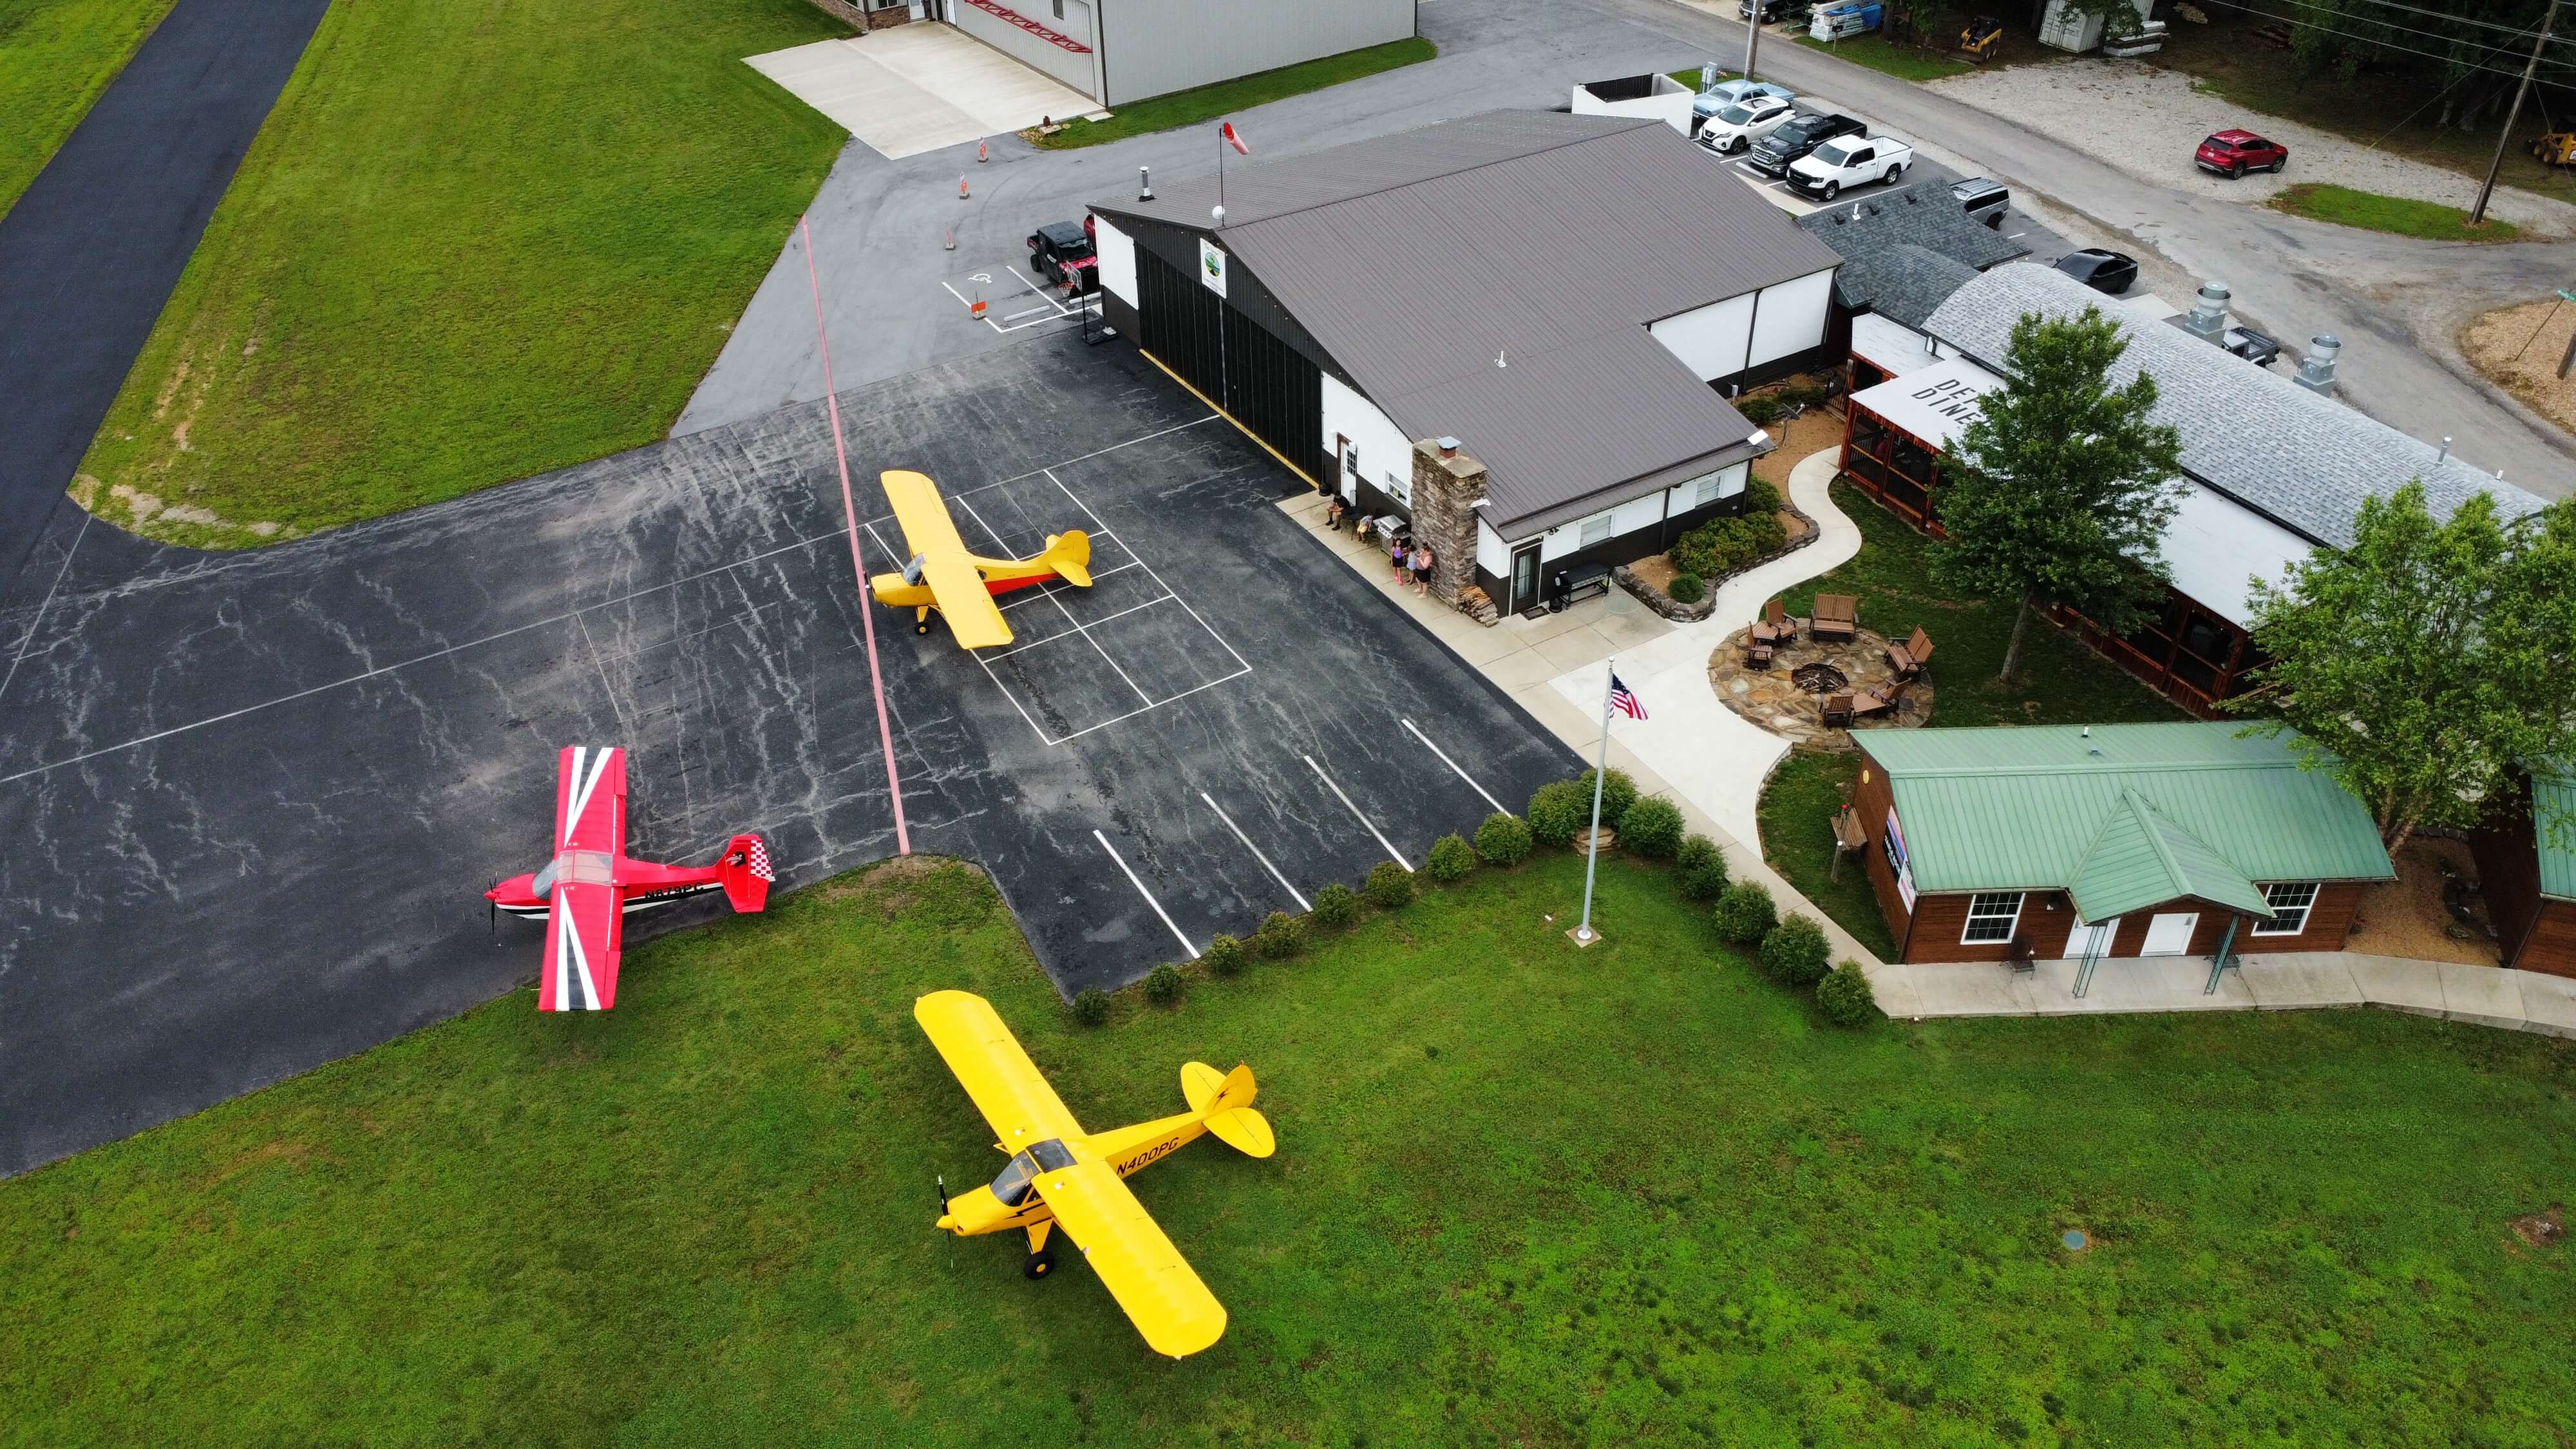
1059 9
1991 917
2290 901
1596 529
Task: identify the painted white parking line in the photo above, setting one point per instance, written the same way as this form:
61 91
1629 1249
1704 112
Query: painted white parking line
1453 767
1080 627
1298 896
1244 666
1391 852
1148 895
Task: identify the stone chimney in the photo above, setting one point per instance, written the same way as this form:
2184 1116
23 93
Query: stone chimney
1447 485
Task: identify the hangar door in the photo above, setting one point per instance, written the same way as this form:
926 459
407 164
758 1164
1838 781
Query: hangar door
1273 390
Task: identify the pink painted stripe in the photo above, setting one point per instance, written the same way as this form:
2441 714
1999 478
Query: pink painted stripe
1061 42
850 511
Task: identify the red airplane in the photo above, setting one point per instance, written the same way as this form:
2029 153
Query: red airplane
586 892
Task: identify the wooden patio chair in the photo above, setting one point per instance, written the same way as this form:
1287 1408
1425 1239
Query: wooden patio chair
1838 711
1775 626
1908 658
1837 617
1757 652
1868 702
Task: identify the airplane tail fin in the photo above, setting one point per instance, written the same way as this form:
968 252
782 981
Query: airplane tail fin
746 873
1225 1103
1070 552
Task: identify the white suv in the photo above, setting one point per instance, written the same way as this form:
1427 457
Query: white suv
1738 126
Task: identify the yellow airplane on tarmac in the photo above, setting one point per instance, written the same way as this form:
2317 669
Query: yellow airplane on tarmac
1062 1176
942 575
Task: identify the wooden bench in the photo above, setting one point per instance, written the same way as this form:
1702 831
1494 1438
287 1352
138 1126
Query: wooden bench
1837 617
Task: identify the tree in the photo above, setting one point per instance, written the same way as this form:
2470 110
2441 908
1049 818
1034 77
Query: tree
2060 489
2421 664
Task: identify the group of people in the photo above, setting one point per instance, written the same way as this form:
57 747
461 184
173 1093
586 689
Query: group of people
1410 557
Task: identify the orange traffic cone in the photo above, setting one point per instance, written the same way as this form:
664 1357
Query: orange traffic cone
983 152
961 188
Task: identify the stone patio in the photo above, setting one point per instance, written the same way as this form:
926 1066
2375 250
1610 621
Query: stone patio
1776 700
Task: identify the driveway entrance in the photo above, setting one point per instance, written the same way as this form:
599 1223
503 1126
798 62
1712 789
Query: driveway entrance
919 87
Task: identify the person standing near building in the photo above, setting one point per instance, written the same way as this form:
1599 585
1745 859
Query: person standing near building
1422 569
1333 514
1398 545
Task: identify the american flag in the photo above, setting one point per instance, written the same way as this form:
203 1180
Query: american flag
1624 699
760 861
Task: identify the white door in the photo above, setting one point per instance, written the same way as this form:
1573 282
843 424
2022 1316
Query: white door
2170 935
2087 940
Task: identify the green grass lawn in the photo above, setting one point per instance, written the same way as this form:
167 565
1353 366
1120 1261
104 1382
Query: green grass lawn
1211 102
1522 1195
55 57
2063 682
2429 220
1905 62
474 241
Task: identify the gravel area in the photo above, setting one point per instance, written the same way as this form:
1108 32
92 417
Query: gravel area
2147 122
2518 348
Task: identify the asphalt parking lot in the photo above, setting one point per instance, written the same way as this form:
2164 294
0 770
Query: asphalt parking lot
251 801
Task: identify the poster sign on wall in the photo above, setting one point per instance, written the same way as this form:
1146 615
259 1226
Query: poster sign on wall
1894 841
1211 266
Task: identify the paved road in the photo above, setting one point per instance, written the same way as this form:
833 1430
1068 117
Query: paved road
91 251
248 801
880 224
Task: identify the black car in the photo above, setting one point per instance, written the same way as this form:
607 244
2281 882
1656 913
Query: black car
1061 252
1772 10
1773 153
2111 272
1983 200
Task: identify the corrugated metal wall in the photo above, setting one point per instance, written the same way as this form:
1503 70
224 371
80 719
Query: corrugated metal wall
1151 47
1011 26
1270 388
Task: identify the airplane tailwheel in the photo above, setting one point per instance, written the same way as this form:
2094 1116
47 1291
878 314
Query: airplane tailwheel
921 628
1039 1264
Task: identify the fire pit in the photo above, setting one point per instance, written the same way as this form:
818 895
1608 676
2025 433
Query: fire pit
1819 678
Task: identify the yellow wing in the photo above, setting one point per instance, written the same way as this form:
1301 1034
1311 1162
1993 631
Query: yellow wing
1003 1083
955 583
927 529
1143 1271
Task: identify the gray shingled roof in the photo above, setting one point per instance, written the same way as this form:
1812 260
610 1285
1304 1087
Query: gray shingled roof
1904 283
1415 259
1924 214
2306 461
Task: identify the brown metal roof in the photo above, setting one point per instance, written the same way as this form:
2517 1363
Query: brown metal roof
1547 240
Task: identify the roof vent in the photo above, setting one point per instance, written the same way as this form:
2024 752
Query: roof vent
2208 317
2317 369
1144 184
2090 748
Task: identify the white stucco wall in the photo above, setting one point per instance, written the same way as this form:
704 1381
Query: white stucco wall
1493 554
2215 544
1791 317
1386 454
1712 341
1683 497
1117 260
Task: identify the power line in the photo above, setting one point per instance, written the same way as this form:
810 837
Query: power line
2513 50
2512 75
2495 25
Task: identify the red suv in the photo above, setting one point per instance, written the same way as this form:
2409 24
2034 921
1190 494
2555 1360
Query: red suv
2233 153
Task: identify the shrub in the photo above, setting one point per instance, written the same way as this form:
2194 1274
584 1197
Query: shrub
1705 881
1845 998
1618 792
1697 852
1224 955
1724 546
1336 906
1686 589
1504 839
1761 412
1389 885
1761 497
1651 828
1556 812
1450 859
1281 935
1091 1006
1163 984
1795 953
1745 913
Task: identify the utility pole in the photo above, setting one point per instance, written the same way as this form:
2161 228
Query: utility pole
1753 35
2478 213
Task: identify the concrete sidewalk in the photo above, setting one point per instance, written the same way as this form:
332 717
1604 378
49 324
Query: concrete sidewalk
2482 995
917 88
1690 749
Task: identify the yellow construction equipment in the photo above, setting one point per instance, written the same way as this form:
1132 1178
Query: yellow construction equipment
2558 148
1980 38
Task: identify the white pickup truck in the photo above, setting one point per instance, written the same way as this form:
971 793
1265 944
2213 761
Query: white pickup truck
1849 161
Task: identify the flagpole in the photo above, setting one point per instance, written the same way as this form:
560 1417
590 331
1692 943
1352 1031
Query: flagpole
1220 171
1583 934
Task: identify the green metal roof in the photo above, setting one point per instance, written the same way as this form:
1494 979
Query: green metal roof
2025 808
2553 797
2142 859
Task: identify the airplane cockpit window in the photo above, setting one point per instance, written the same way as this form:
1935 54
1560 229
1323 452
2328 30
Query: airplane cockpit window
1019 1175
1012 1187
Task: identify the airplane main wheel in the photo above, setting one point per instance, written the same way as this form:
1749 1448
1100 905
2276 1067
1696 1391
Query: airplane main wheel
1039 1264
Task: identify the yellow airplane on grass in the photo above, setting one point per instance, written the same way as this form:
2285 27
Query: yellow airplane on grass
1062 1176
942 575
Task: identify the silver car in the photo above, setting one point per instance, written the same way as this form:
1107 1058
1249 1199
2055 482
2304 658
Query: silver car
1726 93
